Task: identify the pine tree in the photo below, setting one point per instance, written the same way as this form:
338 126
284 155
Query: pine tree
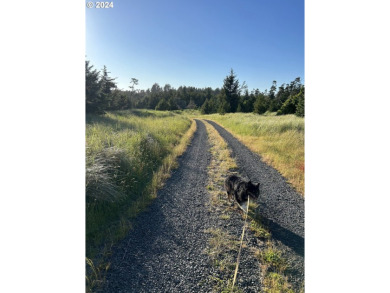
107 84
261 104
94 103
206 107
300 112
231 90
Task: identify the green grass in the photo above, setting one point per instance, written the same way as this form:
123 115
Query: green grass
272 257
129 154
276 283
278 139
222 246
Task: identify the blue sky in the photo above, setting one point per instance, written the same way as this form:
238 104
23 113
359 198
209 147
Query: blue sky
196 43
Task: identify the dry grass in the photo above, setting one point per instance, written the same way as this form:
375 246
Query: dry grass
278 139
276 283
221 250
221 164
170 162
221 244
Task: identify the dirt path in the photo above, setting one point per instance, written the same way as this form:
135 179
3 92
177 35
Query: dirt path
165 251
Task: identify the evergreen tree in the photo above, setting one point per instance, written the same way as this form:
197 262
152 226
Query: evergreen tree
107 84
300 112
273 105
206 107
261 104
191 105
231 91
162 105
246 103
290 106
93 98
172 104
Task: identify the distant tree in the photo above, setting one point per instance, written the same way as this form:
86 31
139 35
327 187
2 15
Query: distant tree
231 91
290 106
273 104
119 101
246 102
172 104
94 103
133 83
156 88
281 96
206 107
167 87
191 105
162 105
261 104
107 84
300 112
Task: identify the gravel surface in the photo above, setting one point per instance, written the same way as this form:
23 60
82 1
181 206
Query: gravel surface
165 251
280 205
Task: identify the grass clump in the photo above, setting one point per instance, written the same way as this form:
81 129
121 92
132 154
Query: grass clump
278 139
276 283
224 286
129 154
97 273
272 257
221 249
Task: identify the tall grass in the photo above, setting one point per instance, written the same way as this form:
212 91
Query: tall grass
128 154
278 139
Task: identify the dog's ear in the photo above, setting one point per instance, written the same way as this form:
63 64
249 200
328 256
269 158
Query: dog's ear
257 185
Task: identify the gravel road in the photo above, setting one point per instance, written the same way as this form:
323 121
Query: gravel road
164 252
280 205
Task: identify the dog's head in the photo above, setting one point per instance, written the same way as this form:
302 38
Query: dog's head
253 189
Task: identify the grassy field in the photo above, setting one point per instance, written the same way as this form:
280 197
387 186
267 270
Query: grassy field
129 154
278 139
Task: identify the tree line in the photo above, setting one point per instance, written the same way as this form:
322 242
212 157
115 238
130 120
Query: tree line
103 95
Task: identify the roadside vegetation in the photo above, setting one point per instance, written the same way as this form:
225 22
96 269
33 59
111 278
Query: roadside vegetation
129 154
278 139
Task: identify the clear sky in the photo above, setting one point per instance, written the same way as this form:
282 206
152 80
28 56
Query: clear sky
196 43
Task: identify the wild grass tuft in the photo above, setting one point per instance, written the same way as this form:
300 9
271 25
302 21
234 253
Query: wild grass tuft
221 249
276 283
272 257
224 286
